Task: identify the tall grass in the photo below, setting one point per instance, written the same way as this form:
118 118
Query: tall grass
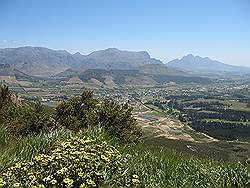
155 167
13 150
159 168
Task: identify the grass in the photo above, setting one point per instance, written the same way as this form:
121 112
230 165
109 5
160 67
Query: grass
160 168
154 166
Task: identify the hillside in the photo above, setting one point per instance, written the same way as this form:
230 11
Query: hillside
89 146
136 77
9 73
37 60
197 64
161 69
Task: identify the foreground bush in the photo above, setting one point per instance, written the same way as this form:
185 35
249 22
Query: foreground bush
118 121
78 162
78 113
86 111
24 120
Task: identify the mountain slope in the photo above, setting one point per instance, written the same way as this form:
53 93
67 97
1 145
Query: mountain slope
135 77
37 60
9 72
198 64
161 69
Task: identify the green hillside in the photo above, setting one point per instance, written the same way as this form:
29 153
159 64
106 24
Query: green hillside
91 143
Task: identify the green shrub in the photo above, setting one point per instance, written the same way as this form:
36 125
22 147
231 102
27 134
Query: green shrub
5 95
84 112
20 118
78 162
24 120
118 121
78 113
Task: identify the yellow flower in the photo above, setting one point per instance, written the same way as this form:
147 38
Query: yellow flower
135 181
18 165
62 171
104 158
48 178
32 177
68 181
83 186
80 174
98 173
53 182
91 182
16 185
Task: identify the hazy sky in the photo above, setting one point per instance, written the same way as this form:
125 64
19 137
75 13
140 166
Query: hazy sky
219 29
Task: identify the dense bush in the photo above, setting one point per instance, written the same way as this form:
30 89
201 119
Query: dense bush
78 162
86 111
24 120
5 96
118 121
20 118
78 113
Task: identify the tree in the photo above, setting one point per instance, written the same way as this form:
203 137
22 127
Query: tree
118 121
24 120
84 112
5 95
78 113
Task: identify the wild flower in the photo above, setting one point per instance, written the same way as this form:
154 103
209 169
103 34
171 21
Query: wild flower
77 161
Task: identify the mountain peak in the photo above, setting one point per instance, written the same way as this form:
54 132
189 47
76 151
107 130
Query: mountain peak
77 54
204 64
189 55
112 49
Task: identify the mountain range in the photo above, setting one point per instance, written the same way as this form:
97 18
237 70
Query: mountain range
38 61
117 66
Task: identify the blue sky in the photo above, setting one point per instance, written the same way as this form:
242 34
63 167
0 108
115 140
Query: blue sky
219 29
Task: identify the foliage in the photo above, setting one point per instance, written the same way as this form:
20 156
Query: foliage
78 113
118 121
78 162
5 95
24 120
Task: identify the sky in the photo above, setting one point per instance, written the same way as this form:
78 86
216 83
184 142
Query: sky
219 29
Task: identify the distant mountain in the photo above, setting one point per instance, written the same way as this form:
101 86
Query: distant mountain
112 58
37 60
161 69
41 61
197 64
